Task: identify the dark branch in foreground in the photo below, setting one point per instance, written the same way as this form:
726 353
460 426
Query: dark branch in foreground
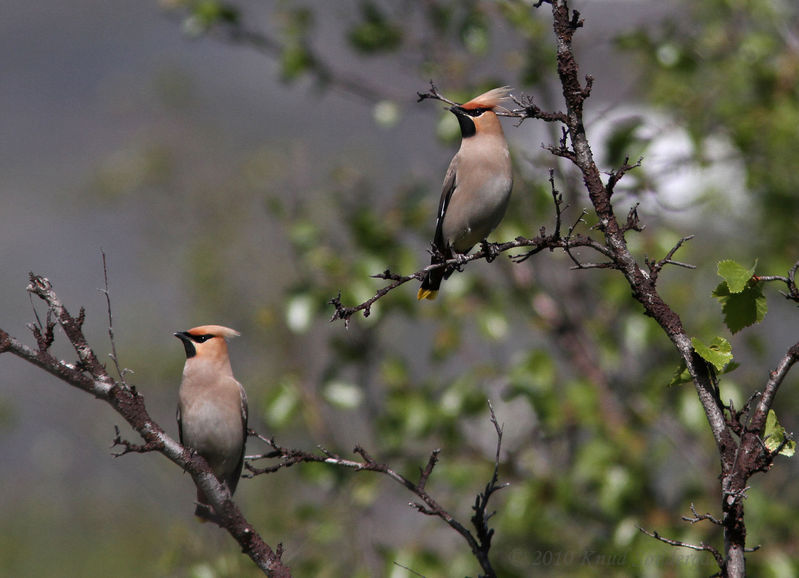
740 446
480 543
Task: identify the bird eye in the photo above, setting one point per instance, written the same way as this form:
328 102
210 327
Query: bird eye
477 111
201 338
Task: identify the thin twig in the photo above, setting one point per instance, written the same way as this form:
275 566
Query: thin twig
120 372
89 375
697 517
618 174
657 266
412 571
481 516
702 547
789 280
480 545
128 447
487 251
776 377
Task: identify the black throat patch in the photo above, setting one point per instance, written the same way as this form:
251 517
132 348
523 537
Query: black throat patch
467 125
188 345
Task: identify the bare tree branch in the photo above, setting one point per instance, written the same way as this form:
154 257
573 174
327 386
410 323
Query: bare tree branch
789 280
480 543
740 446
697 517
89 375
776 377
702 547
657 266
488 251
114 357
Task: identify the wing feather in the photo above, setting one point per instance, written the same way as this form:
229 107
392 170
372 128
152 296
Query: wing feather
450 184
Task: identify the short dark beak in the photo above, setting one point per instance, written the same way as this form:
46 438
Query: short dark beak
187 343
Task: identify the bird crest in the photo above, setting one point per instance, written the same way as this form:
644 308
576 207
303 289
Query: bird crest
489 99
215 330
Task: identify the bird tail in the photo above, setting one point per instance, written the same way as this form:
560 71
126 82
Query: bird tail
430 284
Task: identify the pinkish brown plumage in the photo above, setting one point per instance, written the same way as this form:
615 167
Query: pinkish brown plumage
212 406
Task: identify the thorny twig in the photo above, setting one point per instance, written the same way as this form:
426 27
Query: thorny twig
480 543
656 266
113 355
526 107
697 517
129 447
487 251
702 547
89 375
481 516
789 280
615 176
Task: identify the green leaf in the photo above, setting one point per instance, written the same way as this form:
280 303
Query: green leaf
735 275
295 60
206 14
681 375
718 353
741 309
376 33
774 435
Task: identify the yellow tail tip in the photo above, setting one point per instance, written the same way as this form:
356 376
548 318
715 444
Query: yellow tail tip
428 294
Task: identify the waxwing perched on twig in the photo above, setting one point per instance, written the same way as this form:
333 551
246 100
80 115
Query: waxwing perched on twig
476 187
212 407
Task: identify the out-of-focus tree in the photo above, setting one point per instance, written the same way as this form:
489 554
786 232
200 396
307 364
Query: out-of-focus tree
730 70
597 443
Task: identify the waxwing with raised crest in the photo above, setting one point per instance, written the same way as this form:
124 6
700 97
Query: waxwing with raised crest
476 187
212 407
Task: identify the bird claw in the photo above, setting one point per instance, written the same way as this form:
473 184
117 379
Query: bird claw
460 261
490 250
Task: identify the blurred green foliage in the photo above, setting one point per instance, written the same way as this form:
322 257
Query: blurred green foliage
596 443
732 69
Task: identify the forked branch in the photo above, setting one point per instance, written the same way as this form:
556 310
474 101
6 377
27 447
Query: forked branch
89 375
480 542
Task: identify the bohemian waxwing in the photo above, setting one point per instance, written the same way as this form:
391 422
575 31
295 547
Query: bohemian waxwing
476 187
212 407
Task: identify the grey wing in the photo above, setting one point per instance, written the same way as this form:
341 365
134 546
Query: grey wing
244 418
446 195
244 410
